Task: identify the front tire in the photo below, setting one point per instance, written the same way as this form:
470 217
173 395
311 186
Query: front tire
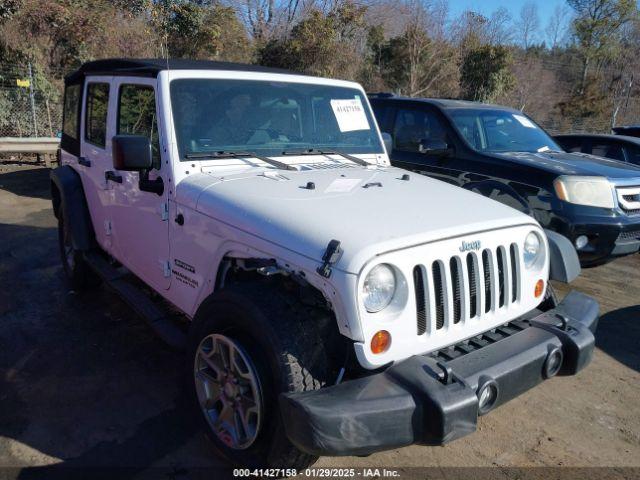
247 345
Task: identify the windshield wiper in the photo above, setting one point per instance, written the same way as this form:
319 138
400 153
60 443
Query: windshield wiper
313 151
229 154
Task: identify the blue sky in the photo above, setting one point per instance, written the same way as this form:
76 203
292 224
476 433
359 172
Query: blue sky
545 7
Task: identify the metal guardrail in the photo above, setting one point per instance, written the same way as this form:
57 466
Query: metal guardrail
44 147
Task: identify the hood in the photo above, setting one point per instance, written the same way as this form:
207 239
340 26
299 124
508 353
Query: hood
565 163
369 210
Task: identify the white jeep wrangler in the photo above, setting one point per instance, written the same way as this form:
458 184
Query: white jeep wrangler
329 303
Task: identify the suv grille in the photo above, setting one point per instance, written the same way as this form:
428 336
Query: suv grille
629 236
629 199
465 286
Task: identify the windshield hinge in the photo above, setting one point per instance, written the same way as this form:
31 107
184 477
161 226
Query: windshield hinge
331 255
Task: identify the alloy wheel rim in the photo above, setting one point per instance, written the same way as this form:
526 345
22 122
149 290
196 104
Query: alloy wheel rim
228 391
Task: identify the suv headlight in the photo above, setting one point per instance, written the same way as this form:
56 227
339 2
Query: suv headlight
379 288
589 191
532 250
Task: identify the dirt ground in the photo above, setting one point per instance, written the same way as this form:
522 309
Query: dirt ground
84 383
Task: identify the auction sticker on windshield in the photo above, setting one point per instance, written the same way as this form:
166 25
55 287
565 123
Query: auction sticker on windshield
350 115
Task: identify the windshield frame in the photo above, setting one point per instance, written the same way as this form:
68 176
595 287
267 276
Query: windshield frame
446 110
379 151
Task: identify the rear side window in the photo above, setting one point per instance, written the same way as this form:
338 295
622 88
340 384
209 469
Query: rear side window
137 116
96 113
70 111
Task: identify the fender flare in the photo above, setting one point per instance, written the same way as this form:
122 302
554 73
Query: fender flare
564 264
70 195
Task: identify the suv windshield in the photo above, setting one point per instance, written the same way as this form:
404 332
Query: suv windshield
490 130
269 118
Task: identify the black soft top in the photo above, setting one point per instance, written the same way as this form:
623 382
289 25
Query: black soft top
149 67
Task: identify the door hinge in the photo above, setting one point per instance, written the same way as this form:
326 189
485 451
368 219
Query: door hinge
166 269
107 227
164 211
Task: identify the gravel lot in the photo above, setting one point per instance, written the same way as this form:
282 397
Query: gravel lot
84 383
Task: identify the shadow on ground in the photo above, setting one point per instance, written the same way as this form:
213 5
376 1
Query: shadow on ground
33 182
618 335
82 379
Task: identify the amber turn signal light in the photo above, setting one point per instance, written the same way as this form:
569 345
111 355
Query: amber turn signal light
381 341
539 288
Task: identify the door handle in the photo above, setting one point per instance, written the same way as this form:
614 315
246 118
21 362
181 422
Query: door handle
84 161
111 176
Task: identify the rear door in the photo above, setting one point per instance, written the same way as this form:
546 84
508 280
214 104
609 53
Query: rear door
95 154
140 218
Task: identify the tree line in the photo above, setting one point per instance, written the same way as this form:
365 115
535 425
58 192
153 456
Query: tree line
580 66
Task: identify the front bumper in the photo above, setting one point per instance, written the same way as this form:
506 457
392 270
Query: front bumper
432 400
609 236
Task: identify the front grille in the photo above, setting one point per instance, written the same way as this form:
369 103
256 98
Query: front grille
629 236
439 289
467 286
629 199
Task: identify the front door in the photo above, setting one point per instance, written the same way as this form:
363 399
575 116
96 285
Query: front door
413 126
140 218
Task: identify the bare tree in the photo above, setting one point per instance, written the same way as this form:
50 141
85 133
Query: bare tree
528 24
499 27
556 29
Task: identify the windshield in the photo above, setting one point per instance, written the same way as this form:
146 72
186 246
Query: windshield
500 131
269 118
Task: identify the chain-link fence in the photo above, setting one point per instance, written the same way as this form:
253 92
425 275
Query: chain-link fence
30 104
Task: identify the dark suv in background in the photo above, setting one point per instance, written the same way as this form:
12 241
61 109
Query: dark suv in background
503 154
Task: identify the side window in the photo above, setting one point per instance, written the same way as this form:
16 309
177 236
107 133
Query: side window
412 126
137 115
71 109
96 113
611 150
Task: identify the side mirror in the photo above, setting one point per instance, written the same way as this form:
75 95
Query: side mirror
388 142
438 148
132 153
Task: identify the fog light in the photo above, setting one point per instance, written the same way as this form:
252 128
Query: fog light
539 288
487 396
581 242
553 363
380 342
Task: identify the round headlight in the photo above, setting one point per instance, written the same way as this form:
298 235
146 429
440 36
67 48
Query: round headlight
379 288
532 249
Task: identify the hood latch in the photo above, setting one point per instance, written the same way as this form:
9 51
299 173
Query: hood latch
331 255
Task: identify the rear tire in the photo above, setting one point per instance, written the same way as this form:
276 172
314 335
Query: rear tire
79 274
287 348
